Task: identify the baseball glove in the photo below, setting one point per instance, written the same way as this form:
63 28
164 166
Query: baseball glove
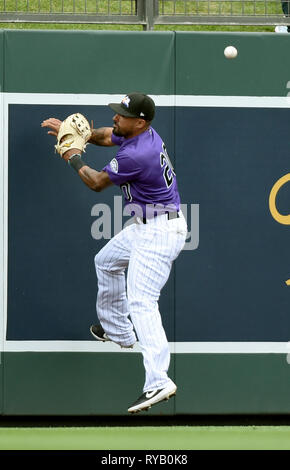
73 133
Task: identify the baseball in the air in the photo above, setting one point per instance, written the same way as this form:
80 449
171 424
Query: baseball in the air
230 52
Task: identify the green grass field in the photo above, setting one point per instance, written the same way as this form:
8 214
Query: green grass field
146 438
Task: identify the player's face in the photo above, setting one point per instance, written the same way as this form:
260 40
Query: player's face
125 126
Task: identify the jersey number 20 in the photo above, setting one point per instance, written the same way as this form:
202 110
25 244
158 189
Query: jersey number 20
165 163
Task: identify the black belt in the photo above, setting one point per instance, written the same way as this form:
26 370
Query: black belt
170 216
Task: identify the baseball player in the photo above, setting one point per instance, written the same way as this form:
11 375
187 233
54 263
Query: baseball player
127 309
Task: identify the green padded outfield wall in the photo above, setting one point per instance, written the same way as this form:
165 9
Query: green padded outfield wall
225 307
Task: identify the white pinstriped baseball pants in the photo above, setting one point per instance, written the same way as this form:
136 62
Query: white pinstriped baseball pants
147 250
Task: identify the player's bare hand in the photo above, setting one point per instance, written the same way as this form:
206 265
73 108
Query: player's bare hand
53 124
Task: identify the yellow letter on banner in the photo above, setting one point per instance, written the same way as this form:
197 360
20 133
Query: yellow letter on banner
282 219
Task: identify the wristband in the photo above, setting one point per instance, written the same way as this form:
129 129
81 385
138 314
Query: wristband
76 162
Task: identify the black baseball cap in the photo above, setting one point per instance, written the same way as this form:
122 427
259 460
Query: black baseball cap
135 105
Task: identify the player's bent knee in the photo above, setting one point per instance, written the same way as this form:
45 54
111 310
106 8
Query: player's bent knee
96 260
104 264
99 261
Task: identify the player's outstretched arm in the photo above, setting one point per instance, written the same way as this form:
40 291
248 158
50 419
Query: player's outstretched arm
95 180
73 134
102 136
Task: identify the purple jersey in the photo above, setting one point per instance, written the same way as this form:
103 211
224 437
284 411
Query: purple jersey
143 170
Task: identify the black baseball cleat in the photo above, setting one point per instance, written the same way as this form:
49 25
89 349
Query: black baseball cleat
151 398
98 333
